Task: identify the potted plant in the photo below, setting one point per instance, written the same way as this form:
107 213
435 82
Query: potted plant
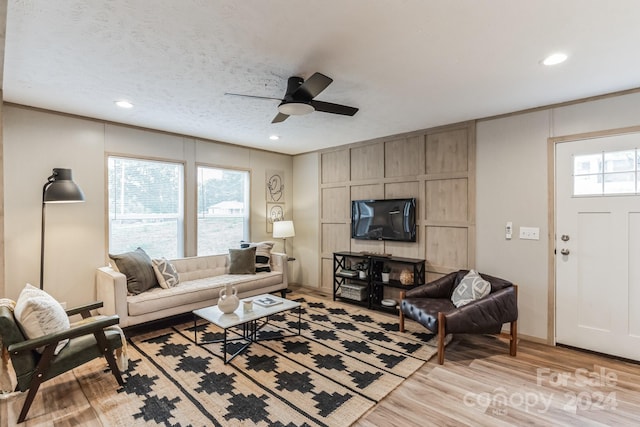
385 273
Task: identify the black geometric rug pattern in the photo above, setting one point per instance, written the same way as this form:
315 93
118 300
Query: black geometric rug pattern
345 361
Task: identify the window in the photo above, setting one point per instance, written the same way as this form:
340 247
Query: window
146 206
606 173
223 209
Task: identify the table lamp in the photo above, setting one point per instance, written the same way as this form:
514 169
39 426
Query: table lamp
282 230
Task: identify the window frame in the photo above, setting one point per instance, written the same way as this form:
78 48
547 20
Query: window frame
181 230
247 215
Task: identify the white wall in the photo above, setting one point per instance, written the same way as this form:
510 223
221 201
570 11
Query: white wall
35 142
512 185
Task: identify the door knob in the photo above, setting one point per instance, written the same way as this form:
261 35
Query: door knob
564 237
564 251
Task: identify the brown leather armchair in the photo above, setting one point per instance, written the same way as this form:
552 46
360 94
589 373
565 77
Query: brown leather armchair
431 306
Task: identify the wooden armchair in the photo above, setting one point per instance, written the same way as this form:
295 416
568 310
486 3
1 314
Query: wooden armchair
87 341
431 306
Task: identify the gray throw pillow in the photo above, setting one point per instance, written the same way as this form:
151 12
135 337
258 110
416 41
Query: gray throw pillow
137 267
242 261
472 287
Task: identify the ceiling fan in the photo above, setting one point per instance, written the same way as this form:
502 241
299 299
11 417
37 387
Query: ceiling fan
298 99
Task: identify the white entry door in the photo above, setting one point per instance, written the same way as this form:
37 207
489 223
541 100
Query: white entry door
598 245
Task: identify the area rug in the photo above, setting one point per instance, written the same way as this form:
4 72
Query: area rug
345 361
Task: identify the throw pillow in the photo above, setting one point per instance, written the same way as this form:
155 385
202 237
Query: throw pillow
263 255
242 261
472 287
165 273
137 267
39 314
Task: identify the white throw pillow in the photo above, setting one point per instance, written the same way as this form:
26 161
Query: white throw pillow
263 255
165 273
472 287
39 314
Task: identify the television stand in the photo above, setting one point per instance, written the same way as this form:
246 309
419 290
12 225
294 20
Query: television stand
367 289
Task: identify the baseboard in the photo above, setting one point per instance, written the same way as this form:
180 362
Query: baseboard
311 289
533 339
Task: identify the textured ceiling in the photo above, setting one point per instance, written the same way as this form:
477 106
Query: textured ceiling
406 65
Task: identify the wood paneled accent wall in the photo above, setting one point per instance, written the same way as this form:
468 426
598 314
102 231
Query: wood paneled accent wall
436 166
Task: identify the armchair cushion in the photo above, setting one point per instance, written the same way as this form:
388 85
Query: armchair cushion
425 310
472 287
439 288
486 315
39 314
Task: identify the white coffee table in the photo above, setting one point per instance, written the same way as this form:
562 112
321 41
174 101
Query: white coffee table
249 323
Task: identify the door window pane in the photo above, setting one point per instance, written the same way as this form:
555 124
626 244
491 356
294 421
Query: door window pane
146 207
587 184
620 183
620 161
587 164
606 173
223 209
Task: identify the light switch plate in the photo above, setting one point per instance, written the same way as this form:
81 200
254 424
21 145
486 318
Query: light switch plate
530 233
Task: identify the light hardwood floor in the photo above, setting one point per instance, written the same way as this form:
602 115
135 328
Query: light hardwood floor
478 385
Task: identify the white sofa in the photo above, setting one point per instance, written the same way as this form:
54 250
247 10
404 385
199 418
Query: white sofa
201 279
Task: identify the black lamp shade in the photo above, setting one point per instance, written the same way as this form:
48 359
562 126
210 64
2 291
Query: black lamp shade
59 188
62 189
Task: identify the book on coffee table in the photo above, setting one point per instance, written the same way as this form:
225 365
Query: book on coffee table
267 301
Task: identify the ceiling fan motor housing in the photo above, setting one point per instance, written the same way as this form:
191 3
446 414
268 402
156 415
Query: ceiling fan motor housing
293 83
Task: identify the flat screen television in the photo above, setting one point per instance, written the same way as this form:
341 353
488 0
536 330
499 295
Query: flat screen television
390 219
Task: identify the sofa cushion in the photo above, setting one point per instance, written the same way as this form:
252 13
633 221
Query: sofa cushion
263 255
39 314
137 267
196 291
165 273
472 287
198 267
242 261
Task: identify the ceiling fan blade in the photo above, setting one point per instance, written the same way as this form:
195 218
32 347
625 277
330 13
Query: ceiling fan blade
312 86
252 96
279 118
328 107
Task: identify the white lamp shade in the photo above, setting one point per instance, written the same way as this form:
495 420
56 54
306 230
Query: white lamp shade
295 108
283 229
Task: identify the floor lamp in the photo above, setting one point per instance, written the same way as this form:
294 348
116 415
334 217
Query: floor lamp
282 230
59 188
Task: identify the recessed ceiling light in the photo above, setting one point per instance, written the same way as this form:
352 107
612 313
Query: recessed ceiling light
124 104
555 59
274 137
